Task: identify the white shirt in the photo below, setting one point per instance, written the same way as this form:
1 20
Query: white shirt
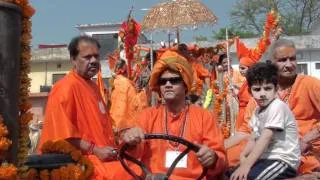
284 144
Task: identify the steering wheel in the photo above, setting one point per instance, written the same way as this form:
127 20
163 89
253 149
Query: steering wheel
146 172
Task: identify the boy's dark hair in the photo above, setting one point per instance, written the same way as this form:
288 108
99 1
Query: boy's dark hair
74 43
263 72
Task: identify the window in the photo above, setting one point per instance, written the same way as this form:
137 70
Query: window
56 77
302 68
317 65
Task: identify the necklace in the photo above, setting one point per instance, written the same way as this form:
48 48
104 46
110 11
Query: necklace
182 128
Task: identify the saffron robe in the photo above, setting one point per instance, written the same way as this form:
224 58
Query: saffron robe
200 74
233 153
200 127
75 109
126 103
304 102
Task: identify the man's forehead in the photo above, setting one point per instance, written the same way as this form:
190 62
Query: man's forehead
83 45
285 51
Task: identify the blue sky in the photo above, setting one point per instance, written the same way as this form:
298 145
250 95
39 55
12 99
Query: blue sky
54 20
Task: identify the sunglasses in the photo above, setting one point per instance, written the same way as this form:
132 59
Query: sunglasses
172 80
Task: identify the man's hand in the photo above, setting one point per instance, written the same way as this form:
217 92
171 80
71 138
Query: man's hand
105 153
132 136
241 173
206 156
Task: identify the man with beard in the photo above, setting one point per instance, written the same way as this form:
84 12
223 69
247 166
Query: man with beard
77 113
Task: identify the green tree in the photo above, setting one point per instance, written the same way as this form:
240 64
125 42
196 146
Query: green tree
297 16
200 38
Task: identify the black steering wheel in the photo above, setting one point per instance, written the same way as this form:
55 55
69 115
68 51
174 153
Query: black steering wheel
146 173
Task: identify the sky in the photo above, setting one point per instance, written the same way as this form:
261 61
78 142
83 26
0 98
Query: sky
54 21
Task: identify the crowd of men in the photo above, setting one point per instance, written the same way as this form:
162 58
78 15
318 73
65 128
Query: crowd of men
277 129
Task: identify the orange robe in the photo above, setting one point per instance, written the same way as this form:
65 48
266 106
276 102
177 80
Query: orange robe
243 97
200 74
75 109
233 153
304 102
126 103
200 127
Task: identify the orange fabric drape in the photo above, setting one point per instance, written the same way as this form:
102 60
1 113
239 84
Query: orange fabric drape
101 86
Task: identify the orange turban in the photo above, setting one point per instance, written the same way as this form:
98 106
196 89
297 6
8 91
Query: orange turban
171 60
246 56
246 61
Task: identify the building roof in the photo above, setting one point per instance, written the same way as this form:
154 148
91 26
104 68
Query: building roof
98 25
50 55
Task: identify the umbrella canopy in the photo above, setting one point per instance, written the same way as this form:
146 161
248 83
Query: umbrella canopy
175 14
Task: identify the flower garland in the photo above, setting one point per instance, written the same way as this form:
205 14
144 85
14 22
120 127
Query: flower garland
25 116
83 169
219 97
7 171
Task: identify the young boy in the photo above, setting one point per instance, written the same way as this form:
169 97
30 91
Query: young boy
273 150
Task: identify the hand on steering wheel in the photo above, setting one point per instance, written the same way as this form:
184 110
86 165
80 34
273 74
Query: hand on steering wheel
123 155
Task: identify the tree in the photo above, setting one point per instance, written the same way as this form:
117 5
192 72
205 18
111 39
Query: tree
297 16
200 38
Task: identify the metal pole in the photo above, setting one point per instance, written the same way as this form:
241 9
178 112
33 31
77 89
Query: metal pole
153 98
178 36
232 118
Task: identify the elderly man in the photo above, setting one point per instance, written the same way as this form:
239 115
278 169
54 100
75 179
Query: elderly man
301 92
76 112
172 77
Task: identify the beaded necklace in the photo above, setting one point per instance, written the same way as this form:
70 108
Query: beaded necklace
182 128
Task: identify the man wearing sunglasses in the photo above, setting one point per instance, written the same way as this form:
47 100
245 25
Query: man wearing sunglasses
172 78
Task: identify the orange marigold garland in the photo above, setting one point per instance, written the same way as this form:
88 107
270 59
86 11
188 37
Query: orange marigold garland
7 171
82 169
25 114
218 101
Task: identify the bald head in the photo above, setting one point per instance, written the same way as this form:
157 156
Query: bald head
280 43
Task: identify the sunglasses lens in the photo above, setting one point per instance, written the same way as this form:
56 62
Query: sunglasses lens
173 81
